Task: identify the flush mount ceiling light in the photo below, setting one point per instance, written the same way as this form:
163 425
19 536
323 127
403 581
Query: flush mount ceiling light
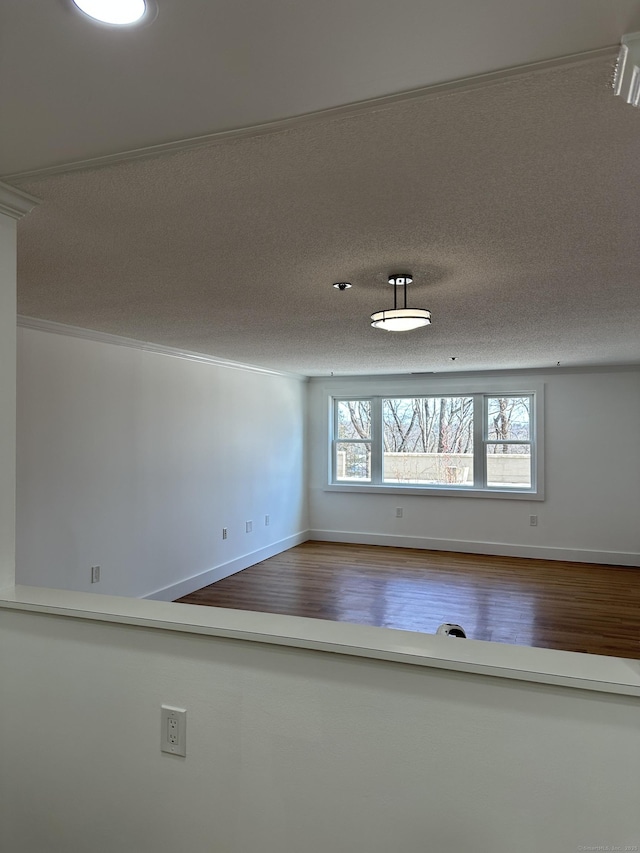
626 81
116 12
400 319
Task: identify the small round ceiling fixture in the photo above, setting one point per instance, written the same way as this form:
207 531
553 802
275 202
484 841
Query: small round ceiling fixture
116 12
400 319
400 279
342 285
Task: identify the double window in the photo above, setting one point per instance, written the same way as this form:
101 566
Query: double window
462 444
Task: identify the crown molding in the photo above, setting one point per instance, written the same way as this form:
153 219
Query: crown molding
117 340
425 92
15 203
442 377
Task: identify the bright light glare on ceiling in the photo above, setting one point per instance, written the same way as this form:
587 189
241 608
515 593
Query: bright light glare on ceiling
119 12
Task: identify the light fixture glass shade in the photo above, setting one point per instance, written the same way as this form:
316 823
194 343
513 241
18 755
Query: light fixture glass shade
401 319
118 12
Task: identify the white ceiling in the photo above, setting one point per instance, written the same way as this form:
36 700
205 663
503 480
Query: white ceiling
513 202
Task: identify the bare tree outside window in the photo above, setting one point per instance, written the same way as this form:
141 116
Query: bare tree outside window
508 420
354 419
353 452
428 440
508 436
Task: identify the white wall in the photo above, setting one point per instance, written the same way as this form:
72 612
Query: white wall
592 503
7 397
135 461
294 751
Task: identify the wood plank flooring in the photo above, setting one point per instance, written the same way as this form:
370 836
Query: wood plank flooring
578 607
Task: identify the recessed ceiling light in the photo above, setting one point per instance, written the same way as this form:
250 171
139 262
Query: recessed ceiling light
118 12
342 285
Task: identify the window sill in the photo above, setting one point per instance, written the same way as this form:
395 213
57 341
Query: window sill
542 666
436 491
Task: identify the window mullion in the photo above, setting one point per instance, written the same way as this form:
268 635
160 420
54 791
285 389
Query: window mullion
333 473
534 407
479 456
376 440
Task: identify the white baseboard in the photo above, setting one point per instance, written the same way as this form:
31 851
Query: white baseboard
541 552
501 549
184 587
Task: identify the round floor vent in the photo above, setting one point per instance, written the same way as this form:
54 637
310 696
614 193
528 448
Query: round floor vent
451 630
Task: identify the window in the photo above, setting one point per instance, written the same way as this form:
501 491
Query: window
428 440
353 445
508 442
458 444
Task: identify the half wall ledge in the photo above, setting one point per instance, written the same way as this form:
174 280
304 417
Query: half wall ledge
542 666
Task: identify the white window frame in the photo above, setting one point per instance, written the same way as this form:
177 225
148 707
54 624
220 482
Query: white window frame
480 393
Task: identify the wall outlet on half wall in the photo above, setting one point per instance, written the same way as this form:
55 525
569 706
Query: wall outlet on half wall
173 734
95 574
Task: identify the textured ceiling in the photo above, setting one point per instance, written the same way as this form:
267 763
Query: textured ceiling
515 206
71 90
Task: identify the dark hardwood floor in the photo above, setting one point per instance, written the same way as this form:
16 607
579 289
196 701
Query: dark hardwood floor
578 607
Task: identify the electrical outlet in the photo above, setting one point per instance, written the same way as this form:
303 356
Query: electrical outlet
267 521
398 512
249 526
224 532
173 731
533 520
95 574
